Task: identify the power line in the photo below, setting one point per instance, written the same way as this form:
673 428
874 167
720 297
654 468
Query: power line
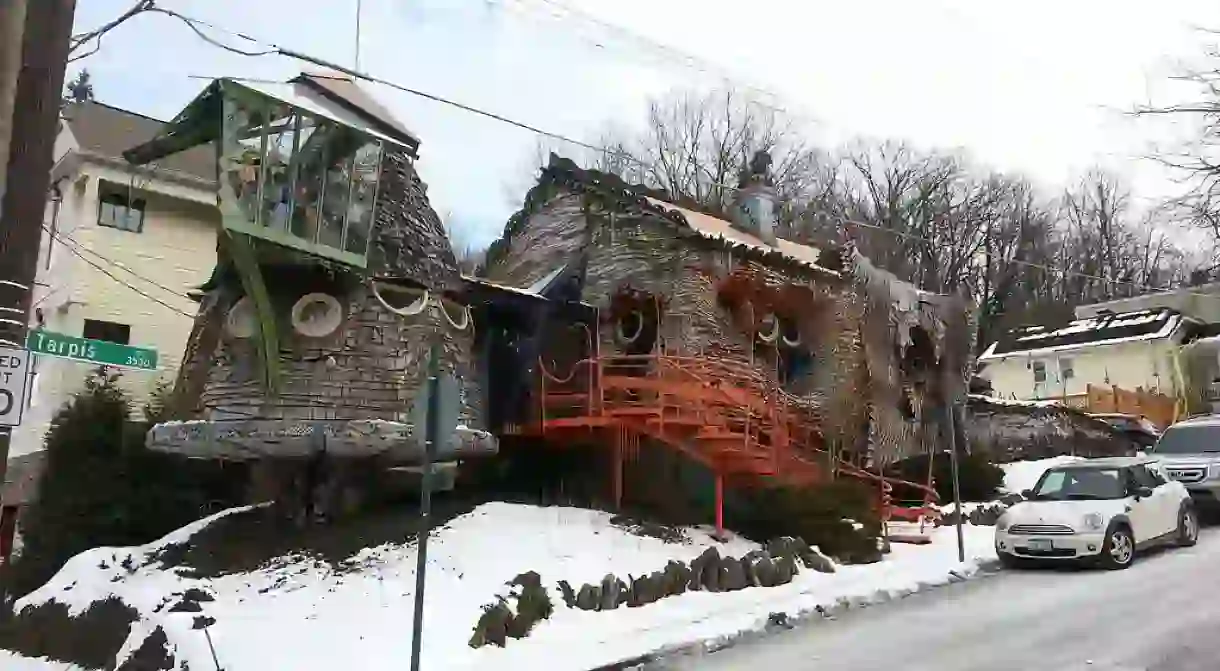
65 238
112 276
274 49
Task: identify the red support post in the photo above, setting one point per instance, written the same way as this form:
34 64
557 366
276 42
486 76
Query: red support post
719 504
619 439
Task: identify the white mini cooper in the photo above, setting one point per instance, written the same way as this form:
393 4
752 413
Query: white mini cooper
1101 510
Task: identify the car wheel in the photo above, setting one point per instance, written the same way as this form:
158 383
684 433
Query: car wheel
1118 552
1188 527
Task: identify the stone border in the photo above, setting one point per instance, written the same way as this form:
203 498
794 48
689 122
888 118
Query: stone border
705 646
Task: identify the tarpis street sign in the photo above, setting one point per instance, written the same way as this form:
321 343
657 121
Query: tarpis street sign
91 351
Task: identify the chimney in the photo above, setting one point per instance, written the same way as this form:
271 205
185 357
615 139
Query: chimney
754 208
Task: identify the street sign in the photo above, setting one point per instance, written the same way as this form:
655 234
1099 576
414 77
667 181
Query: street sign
91 351
448 395
14 370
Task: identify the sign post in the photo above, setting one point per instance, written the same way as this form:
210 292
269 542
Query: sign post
14 369
435 417
91 351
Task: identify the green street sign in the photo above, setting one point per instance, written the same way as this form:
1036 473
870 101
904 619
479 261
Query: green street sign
91 351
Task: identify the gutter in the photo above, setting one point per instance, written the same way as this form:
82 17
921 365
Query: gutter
174 176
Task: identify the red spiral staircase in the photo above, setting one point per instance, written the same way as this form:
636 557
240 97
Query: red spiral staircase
724 415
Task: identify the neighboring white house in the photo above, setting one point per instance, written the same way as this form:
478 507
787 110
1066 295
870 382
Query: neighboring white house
1129 350
121 250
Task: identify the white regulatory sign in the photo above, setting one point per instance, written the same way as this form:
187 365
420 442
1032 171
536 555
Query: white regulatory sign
14 373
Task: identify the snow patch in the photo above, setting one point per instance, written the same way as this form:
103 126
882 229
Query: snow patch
362 610
11 661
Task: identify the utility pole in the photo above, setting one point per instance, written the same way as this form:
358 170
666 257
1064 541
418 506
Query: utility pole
44 33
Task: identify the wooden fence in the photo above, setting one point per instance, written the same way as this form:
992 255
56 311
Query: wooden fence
1159 409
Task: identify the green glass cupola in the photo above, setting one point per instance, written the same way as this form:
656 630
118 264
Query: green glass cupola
298 163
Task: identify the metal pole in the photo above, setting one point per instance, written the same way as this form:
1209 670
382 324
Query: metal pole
425 501
951 416
31 146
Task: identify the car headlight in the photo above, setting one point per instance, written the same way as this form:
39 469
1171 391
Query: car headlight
1002 523
1213 471
1093 521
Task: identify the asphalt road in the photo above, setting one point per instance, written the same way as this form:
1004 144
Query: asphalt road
1162 614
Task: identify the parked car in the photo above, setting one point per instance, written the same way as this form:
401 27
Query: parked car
1189 451
1097 510
1136 427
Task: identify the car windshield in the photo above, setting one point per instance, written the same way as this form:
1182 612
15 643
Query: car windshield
1076 484
1187 439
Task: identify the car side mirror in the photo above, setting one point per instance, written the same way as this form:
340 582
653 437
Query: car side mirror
1143 492
1027 493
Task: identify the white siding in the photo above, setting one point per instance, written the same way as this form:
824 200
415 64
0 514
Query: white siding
1145 363
176 249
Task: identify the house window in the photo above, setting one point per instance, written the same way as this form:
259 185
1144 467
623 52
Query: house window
1066 369
116 210
96 329
1039 372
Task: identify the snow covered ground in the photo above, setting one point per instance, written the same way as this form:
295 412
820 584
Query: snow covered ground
306 615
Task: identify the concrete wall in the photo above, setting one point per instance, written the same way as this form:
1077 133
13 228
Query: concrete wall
1146 363
176 249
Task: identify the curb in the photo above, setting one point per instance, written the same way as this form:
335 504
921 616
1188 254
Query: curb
984 568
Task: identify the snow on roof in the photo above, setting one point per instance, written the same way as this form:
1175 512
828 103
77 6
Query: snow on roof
1108 329
715 228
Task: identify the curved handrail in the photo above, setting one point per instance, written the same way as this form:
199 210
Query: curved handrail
856 471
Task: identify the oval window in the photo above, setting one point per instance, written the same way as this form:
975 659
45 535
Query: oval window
768 328
789 333
628 327
316 315
456 314
241 322
401 300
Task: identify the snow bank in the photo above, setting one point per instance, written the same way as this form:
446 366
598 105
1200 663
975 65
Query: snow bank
306 615
11 661
1022 475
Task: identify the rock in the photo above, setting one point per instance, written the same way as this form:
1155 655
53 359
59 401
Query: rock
782 547
568 594
677 577
778 620
186 606
611 592
765 570
814 559
589 597
747 565
785 570
646 589
492 626
196 594
732 576
704 571
987 516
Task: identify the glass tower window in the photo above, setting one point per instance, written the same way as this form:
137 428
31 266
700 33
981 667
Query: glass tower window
297 179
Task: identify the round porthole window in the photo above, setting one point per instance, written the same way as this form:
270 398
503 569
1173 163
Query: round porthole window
629 327
789 333
768 328
316 315
406 301
241 321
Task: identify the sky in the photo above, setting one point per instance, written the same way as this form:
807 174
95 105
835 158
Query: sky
1037 88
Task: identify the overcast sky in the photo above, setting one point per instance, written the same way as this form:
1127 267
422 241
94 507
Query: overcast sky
1035 87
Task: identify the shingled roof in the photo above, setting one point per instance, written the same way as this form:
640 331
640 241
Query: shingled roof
688 219
1105 329
108 131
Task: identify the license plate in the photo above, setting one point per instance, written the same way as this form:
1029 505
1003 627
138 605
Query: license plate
1041 544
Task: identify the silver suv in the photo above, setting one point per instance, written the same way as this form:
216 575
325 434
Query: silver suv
1189 452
